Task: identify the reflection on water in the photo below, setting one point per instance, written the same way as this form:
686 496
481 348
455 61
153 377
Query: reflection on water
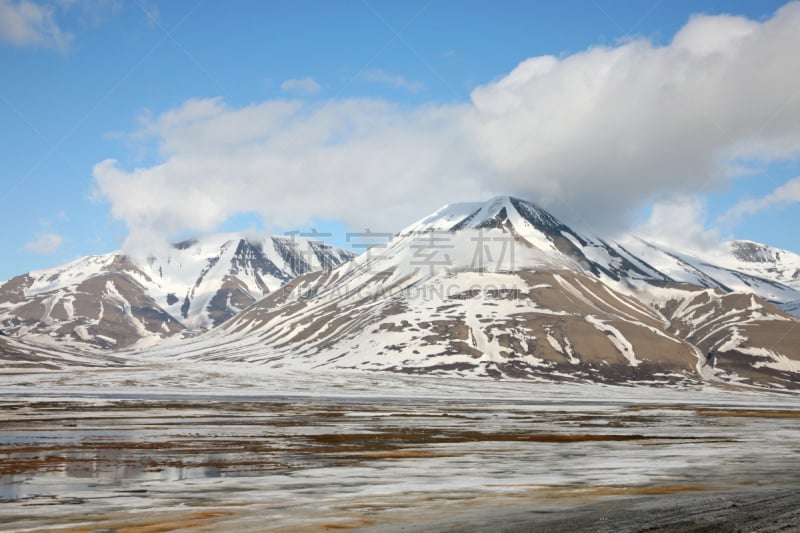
70 477
180 440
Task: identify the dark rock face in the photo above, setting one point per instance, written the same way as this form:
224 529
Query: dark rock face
231 298
185 245
13 291
752 252
250 257
292 255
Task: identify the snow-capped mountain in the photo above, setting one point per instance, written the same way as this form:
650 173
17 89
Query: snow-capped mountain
503 288
764 261
769 273
115 300
500 288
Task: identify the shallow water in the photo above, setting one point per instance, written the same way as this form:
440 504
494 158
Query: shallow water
86 451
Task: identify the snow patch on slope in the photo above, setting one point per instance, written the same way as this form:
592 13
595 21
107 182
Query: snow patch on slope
616 337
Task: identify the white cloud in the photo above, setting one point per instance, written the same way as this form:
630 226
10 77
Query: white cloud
785 195
305 85
288 162
26 23
45 243
592 136
392 80
707 35
682 223
611 128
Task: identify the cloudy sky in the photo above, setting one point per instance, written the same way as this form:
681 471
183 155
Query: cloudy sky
127 123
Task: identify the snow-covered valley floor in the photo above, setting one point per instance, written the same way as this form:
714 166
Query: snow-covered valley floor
171 446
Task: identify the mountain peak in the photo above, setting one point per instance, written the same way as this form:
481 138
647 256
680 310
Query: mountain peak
753 252
499 211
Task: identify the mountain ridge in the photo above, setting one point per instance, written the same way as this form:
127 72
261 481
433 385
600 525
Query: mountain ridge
494 289
115 300
503 289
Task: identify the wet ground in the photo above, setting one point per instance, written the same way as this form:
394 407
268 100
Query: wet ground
171 448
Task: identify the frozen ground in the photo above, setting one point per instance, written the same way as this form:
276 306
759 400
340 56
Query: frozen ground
185 446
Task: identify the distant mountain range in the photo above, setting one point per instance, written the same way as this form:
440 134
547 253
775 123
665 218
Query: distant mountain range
114 301
497 289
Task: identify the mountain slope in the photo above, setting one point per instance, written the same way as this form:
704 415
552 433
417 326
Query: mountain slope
505 289
17 355
114 301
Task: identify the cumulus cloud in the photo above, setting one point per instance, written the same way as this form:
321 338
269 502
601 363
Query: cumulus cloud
392 80
363 162
592 136
611 128
305 85
45 243
26 23
785 195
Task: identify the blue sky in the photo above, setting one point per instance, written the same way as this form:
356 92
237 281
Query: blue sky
88 82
